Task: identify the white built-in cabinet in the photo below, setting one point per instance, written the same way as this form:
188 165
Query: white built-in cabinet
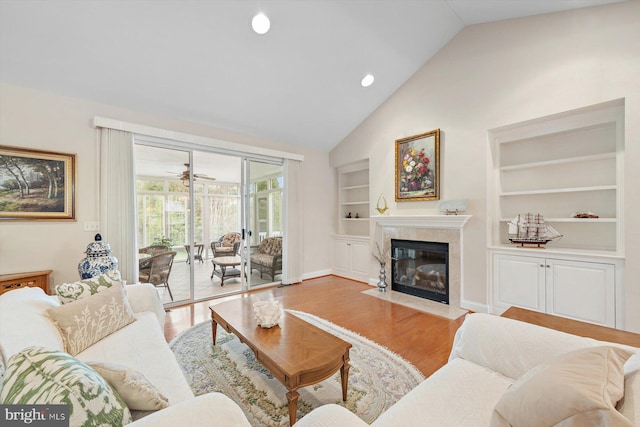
579 290
351 254
557 166
351 257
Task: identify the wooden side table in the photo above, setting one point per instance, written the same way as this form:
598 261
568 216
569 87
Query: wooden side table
39 279
575 327
197 255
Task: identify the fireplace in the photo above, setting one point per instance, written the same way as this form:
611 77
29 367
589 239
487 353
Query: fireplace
421 269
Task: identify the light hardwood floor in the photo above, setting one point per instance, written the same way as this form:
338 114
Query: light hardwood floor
423 339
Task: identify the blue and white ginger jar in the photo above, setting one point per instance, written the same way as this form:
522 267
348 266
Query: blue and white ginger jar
98 261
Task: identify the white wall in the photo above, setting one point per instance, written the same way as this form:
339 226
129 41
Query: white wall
39 120
500 73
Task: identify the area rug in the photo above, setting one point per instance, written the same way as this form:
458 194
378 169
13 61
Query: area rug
377 377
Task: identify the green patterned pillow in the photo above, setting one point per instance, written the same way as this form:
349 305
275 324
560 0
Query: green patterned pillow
2 367
40 376
69 292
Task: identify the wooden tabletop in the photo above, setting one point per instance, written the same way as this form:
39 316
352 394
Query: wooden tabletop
17 276
575 327
297 353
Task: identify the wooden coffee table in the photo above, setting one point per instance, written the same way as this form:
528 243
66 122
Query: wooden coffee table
297 353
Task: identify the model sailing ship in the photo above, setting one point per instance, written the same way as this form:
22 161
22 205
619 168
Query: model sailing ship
530 229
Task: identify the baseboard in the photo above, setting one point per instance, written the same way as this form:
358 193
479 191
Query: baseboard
474 306
314 274
342 274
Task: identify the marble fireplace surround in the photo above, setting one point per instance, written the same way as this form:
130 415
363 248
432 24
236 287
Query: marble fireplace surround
427 228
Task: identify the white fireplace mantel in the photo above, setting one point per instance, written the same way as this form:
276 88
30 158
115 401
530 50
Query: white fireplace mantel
422 221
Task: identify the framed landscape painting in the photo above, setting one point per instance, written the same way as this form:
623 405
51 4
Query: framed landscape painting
418 167
36 185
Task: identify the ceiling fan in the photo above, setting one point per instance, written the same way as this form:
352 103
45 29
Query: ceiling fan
184 175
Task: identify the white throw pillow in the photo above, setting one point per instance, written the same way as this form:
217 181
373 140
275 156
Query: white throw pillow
134 388
580 388
84 322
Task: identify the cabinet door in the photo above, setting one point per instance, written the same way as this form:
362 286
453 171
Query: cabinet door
340 256
582 291
360 259
519 281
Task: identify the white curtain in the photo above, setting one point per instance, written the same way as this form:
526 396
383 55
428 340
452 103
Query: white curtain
117 199
292 251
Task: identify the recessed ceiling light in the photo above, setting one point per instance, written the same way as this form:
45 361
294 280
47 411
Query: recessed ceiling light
260 23
367 80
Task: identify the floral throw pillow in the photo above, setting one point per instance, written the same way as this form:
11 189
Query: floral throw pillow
69 292
41 376
84 322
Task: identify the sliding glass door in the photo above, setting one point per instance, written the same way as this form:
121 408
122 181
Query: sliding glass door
218 224
163 221
221 214
263 218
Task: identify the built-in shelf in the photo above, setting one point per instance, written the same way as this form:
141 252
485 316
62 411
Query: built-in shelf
576 220
363 202
558 166
558 250
353 186
568 160
559 190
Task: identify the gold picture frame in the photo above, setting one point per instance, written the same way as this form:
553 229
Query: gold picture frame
418 167
36 185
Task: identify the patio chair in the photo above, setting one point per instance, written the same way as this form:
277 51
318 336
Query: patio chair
267 257
156 270
227 245
153 249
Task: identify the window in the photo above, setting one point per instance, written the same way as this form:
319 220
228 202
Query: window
163 211
224 209
266 193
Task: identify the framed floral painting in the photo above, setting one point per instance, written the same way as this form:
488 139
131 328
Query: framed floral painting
418 167
36 185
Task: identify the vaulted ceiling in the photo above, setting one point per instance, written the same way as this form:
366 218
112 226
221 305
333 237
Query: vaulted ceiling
200 61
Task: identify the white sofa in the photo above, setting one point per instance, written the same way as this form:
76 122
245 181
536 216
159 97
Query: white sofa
140 346
489 353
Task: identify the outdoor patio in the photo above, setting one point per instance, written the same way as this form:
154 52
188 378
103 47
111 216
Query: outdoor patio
204 285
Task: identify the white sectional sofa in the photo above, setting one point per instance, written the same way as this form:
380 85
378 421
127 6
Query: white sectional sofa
140 346
489 354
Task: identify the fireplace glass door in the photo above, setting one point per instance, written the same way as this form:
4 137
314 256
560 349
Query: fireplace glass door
421 269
